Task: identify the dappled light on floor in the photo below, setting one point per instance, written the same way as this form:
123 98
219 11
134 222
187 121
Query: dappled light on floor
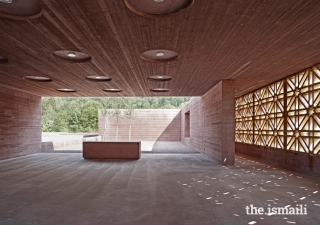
166 188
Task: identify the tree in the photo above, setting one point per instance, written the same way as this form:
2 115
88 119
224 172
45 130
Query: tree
81 114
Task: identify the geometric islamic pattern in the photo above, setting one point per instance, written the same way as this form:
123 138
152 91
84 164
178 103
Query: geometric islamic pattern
244 119
285 114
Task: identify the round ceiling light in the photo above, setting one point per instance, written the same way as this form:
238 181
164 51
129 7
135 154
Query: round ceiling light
159 89
98 78
3 59
112 90
10 1
159 55
20 9
153 9
66 90
71 56
37 78
160 77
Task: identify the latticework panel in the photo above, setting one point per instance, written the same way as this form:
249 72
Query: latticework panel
244 119
285 114
268 115
303 112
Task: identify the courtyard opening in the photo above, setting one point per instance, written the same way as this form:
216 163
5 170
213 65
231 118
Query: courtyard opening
153 121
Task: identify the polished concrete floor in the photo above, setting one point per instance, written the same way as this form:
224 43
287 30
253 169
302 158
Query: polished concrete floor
63 188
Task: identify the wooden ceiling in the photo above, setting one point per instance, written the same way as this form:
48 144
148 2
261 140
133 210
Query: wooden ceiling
254 42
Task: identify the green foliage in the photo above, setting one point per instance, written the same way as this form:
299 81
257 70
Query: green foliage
81 114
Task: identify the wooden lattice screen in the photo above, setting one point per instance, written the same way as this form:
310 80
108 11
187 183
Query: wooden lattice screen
285 114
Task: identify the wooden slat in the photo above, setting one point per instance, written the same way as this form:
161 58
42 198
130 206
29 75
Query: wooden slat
253 42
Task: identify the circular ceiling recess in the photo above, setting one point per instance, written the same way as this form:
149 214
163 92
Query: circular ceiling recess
37 78
98 78
159 55
3 59
160 77
159 90
20 9
66 90
71 56
158 8
112 90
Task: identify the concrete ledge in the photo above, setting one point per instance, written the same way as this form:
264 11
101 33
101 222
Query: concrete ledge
47 146
111 150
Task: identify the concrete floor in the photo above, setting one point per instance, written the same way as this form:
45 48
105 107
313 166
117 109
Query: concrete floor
62 188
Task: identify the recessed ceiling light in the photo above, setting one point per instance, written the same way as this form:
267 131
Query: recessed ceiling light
72 54
6 1
160 77
154 10
159 89
20 9
98 78
159 54
38 78
112 90
66 90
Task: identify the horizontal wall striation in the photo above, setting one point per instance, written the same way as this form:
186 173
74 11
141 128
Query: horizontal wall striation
20 123
228 122
298 161
212 123
146 125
